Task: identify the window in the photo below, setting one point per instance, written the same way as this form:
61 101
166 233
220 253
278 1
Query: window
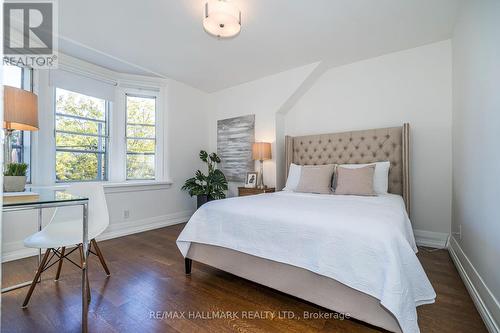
81 131
141 136
20 77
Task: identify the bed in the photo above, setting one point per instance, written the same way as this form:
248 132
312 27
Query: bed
349 254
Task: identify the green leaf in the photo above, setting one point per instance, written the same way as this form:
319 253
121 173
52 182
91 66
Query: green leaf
200 176
203 156
214 158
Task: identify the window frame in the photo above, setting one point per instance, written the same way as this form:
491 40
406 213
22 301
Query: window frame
150 95
106 136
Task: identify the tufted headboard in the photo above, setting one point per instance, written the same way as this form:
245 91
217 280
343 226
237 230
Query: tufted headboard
367 146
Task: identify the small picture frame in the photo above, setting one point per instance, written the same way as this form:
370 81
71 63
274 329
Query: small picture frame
251 180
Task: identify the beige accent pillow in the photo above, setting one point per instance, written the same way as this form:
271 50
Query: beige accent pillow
355 181
316 179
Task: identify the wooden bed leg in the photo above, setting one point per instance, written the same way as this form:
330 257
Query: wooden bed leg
187 264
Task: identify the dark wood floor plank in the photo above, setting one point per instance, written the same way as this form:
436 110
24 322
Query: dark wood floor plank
147 276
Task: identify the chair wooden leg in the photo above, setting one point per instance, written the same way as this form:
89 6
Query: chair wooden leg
80 249
100 256
59 265
37 276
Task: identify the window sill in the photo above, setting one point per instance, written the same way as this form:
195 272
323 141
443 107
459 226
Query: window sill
134 186
119 187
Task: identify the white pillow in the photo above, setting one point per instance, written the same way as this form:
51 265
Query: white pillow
293 177
380 176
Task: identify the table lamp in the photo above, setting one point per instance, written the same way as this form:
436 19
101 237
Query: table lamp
20 109
261 151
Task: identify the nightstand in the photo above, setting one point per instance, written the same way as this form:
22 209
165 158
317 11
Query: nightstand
243 191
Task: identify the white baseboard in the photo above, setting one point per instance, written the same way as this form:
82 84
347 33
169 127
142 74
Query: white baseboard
486 303
123 228
16 250
430 238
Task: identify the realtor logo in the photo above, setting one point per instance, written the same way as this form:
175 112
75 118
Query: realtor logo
29 33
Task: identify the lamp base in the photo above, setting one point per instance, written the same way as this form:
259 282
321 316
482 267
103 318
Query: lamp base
260 178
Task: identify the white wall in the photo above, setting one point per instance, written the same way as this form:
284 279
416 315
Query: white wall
476 154
409 86
263 98
185 117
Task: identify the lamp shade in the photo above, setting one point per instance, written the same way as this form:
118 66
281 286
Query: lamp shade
261 151
20 109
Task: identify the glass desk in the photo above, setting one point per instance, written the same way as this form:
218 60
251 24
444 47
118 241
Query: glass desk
46 198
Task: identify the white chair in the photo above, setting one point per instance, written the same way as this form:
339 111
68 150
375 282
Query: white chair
65 230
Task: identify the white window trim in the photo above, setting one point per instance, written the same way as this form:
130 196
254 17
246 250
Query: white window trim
159 129
43 141
108 106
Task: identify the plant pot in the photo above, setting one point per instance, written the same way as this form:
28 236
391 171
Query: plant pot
14 183
202 199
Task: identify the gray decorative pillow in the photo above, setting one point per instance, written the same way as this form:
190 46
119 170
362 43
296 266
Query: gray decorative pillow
316 179
355 181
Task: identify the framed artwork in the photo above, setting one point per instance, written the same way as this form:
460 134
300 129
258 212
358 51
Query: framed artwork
235 137
251 180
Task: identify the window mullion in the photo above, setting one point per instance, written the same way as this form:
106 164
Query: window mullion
80 117
81 134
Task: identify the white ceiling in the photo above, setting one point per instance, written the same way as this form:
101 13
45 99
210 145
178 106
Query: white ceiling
166 37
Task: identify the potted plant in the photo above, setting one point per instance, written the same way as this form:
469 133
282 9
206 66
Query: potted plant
207 187
14 178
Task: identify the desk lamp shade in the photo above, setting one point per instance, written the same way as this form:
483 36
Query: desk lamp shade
20 109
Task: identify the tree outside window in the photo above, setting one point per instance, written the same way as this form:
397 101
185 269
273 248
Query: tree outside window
81 137
141 137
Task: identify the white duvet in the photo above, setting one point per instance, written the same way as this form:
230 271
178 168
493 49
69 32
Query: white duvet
365 243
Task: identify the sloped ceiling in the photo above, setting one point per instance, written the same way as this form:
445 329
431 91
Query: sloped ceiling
165 37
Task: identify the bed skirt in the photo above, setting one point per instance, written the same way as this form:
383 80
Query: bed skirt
298 282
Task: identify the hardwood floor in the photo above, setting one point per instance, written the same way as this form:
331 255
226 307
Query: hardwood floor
147 275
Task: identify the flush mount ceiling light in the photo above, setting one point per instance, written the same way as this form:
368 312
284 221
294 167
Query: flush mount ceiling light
222 19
